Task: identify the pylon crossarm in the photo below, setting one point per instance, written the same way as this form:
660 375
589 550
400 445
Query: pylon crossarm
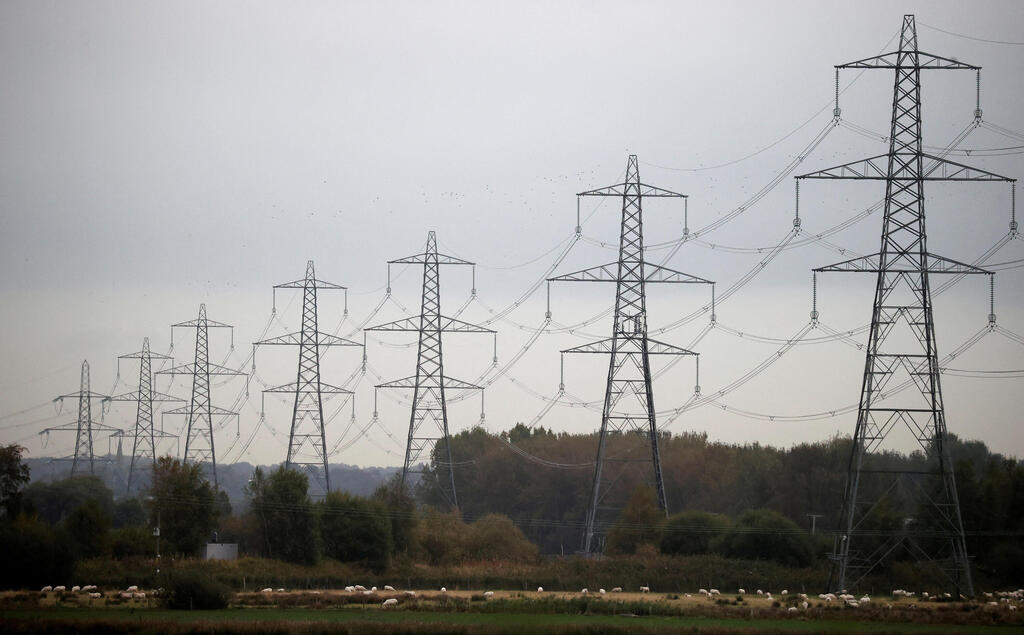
325 389
87 395
295 339
903 263
925 61
905 169
135 395
142 354
188 410
420 259
600 273
450 383
190 369
657 273
449 325
654 347
73 425
204 322
314 283
645 190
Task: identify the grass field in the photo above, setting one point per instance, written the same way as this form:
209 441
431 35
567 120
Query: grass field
506 612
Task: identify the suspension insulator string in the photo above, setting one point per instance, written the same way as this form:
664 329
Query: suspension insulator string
353 407
814 297
991 300
1013 209
345 314
796 217
696 384
714 318
977 96
547 314
495 360
579 228
375 391
561 373
686 216
482 414
388 290
836 112
472 291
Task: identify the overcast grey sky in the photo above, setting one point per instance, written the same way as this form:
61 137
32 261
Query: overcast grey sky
157 155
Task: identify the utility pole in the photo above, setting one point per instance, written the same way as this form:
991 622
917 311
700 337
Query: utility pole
83 459
145 436
428 421
629 397
902 348
200 411
307 445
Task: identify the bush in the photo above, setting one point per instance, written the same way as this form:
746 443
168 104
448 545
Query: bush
193 590
690 533
355 529
136 540
763 534
34 553
495 537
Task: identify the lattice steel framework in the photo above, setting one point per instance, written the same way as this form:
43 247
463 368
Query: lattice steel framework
200 411
83 458
145 433
629 397
307 443
902 348
428 420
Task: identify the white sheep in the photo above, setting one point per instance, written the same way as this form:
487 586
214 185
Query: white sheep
768 596
349 589
132 589
367 592
703 591
584 591
389 602
139 595
804 605
865 599
785 592
59 589
358 587
714 592
742 591
617 589
601 591
791 609
267 590
760 592
76 589
488 594
444 590
540 589
95 595
645 589
373 589
280 590
46 589
388 587
411 594
125 595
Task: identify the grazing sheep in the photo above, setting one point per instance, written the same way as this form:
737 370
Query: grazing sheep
76 589
373 589
60 589
488 594
703 591
358 587
767 596
791 609
804 605
714 592
785 592
742 591
95 595
46 589
390 602
349 589
132 589
411 594
865 599
367 592
584 591
125 595
267 590
601 591
760 592
139 595
388 587
645 589
280 590
444 590
617 589
540 589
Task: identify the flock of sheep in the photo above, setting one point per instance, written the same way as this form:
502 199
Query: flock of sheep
1007 599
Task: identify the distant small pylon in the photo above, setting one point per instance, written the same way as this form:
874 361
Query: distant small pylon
83 459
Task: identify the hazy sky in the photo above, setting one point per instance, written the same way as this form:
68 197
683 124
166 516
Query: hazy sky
157 155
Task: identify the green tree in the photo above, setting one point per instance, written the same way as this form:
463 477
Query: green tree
640 523
495 537
128 512
284 515
184 503
88 526
34 554
14 475
356 529
401 510
763 534
693 532
54 501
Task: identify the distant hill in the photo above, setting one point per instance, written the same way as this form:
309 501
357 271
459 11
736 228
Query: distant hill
232 478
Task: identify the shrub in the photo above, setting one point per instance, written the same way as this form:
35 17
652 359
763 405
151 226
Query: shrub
355 529
193 590
763 534
690 533
135 540
495 537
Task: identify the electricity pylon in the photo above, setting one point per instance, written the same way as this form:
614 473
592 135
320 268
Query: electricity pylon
429 408
83 458
629 369
145 436
902 348
307 445
199 411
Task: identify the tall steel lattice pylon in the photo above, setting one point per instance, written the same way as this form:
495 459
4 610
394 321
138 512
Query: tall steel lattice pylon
200 411
84 459
902 348
145 435
428 421
307 441
629 397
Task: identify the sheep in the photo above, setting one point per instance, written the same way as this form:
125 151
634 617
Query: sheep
95 595
540 589
367 592
703 591
488 594
373 589
139 595
267 590
760 592
76 589
802 596
89 587
791 609
865 599
46 589
132 589
767 596
584 591
389 602
601 591
444 590
645 589
785 592
617 589
411 594
804 605
125 595
388 587
714 592
59 589
742 591
358 587
280 590
349 589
